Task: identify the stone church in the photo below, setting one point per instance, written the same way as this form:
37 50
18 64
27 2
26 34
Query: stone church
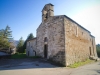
61 39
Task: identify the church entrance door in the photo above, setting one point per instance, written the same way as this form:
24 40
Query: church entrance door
45 51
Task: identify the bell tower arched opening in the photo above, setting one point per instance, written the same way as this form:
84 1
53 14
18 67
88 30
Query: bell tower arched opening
47 11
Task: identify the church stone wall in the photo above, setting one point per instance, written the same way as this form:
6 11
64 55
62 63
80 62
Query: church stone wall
31 47
53 29
77 42
93 45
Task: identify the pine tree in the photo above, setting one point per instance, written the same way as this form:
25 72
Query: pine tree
1 32
5 35
8 32
20 45
30 36
4 43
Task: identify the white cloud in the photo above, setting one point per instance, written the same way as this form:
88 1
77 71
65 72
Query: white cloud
90 19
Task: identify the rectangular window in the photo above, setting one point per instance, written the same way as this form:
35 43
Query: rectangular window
90 50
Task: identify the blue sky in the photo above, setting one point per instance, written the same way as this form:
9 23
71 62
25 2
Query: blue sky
24 16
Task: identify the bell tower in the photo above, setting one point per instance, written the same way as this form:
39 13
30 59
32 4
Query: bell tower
47 11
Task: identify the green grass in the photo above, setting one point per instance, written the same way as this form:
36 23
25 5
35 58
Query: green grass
75 65
22 55
18 56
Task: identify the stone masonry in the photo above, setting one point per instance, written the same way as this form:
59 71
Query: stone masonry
31 47
79 43
53 29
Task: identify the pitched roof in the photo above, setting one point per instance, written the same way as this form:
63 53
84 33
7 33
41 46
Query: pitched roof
76 23
31 39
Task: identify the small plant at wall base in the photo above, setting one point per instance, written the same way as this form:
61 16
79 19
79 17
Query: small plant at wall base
75 65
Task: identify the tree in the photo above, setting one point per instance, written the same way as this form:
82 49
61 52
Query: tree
30 36
1 32
4 43
20 45
98 49
6 33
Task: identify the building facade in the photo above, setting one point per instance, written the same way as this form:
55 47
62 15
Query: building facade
31 47
62 40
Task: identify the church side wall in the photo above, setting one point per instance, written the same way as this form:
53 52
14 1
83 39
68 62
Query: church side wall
31 48
77 43
94 47
53 29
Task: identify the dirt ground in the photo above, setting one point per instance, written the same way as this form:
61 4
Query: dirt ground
43 67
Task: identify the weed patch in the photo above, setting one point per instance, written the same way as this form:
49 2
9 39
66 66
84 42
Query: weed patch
22 55
18 56
80 63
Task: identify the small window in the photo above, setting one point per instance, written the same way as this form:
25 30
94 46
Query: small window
46 15
82 33
45 39
90 50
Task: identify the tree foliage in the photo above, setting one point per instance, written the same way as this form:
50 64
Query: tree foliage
4 43
98 49
5 35
20 45
1 33
30 36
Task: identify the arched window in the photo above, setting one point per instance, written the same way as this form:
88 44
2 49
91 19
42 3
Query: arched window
45 39
46 15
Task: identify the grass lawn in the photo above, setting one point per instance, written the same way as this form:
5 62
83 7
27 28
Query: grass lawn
21 56
18 56
75 65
